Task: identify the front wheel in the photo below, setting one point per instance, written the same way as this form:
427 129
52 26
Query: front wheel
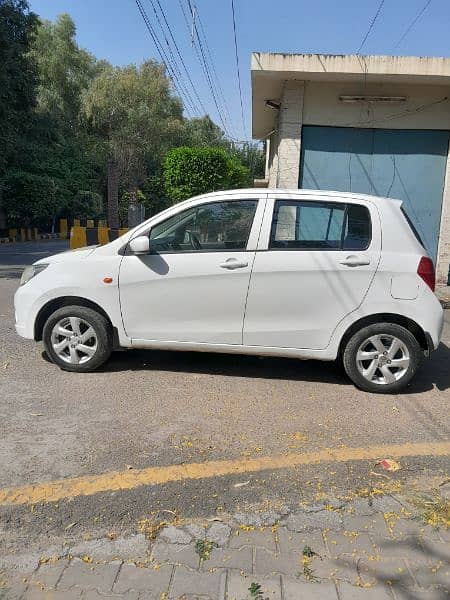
382 358
77 338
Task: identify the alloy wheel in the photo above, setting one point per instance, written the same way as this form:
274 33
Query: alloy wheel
383 359
74 340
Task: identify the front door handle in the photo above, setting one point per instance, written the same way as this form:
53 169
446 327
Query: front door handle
355 261
232 263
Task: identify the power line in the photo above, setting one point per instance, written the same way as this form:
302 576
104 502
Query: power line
173 62
237 65
203 63
162 54
214 71
372 23
413 22
180 56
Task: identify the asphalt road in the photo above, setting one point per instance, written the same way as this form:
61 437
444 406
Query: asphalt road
148 408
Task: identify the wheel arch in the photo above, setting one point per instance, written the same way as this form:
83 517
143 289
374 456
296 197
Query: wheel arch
405 322
62 301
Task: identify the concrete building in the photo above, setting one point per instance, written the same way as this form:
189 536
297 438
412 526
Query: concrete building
372 124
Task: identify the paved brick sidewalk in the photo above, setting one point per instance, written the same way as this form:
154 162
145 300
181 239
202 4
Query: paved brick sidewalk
376 550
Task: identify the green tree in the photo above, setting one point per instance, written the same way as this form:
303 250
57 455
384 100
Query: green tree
204 132
192 171
134 110
17 77
30 199
64 69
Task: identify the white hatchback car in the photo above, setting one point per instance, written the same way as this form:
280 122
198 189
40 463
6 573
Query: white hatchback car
305 274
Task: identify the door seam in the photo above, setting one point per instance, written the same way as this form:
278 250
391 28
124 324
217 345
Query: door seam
251 270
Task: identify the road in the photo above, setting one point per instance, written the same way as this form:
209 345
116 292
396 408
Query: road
148 409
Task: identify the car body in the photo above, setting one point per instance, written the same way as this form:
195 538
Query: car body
272 272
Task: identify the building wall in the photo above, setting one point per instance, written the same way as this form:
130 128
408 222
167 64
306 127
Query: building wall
317 103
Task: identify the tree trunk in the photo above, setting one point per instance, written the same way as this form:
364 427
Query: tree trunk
113 194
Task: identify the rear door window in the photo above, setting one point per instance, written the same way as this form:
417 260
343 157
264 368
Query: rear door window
306 225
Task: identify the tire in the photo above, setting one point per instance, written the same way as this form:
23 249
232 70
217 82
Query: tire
370 355
77 338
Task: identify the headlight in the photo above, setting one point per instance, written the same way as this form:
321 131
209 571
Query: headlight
31 272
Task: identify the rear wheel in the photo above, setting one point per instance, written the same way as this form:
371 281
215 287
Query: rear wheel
382 358
77 338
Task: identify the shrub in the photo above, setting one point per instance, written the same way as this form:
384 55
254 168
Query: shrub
192 171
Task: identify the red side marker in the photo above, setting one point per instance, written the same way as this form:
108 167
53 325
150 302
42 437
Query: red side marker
107 280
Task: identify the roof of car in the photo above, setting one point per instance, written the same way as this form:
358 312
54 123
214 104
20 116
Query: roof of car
312 194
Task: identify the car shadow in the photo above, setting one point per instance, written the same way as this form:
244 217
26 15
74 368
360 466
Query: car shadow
229 365
435 372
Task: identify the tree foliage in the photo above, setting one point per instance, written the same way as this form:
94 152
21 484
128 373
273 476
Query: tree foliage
65 70
17 77
64 116
133 109
192 171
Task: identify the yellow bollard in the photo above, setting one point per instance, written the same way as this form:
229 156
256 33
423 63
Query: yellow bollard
123 230
23 234
103 235
76 222
12 234
35 233
77 237
90 223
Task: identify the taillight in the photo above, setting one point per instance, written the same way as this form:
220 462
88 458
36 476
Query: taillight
426 271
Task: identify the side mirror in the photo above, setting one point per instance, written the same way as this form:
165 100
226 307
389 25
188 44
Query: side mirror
140 245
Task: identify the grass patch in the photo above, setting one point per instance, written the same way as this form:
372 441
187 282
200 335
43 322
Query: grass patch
204 548
433 510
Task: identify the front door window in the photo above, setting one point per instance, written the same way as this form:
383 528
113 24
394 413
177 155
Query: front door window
212 227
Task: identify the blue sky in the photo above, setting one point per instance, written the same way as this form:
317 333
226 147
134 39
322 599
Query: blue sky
115 31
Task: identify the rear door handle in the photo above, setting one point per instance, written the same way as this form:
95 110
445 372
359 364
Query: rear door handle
355 261
232 263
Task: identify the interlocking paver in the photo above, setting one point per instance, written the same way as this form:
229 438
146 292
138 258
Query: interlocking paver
238 586
410 548
436 574
38 594
343 568
90 576
366 524
48 574
176 554
394 571
132 577
267 563
350 542
437 594
186 581
325 519
353 592
294 589
14 590
256 537
231 558
95 595
291 541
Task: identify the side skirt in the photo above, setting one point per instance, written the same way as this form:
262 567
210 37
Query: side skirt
300 353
